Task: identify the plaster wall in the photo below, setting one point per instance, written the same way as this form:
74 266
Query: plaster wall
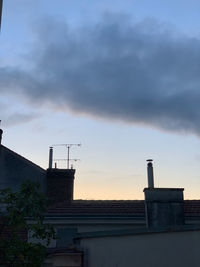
92 228
64 260
172 249
67 239
93 224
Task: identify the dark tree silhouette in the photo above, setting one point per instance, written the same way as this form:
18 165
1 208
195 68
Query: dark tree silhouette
20 212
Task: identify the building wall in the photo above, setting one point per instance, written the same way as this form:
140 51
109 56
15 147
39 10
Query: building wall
14 169
66 233
172 249
84 224
106 227
64 260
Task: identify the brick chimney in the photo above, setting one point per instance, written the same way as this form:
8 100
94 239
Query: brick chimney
59 185
59 182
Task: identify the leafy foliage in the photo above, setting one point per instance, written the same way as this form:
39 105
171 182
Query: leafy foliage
23 211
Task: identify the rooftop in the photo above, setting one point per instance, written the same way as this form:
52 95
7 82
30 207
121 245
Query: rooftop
114 207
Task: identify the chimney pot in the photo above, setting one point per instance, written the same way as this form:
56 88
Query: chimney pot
150 173
1 133
50 157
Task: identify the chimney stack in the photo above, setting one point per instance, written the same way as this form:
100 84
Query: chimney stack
50 157
150 173
164 207
59 185
1 133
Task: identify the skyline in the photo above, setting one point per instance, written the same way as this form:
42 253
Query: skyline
121 79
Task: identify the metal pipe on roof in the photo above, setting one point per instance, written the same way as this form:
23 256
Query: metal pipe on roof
150 173
50 157
1 133
1 7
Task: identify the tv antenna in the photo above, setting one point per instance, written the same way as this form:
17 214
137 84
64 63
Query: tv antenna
68 146
1 7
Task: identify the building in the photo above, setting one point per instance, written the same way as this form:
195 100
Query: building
14 169
162 230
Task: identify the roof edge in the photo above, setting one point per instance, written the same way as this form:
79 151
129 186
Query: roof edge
19 156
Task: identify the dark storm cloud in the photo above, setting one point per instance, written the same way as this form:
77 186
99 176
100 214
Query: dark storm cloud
133 72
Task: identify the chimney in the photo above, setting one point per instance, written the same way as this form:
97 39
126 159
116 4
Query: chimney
1 133
150 173
60 185
164 207
50 157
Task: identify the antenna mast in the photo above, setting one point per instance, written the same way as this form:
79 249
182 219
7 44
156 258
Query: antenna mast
1 7
68 146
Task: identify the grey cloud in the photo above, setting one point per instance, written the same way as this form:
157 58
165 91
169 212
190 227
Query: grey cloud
11 116
139 73
18 118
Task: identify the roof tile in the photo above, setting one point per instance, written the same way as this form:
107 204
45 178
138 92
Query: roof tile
114 207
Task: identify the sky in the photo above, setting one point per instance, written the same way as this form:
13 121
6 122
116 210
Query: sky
119 77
